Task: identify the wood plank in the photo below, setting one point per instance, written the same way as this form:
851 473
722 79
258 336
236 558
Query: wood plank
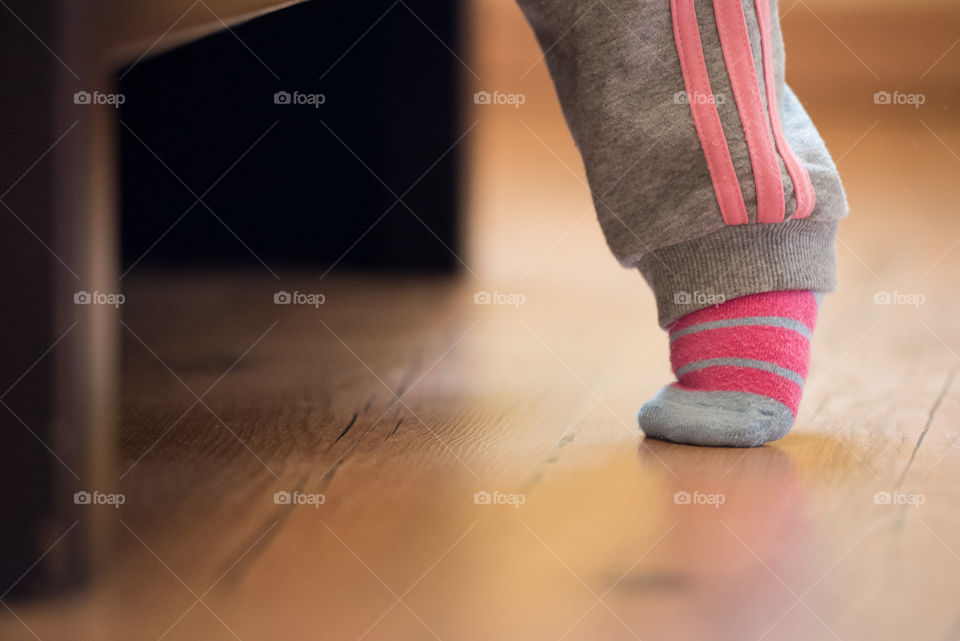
129 30
508 402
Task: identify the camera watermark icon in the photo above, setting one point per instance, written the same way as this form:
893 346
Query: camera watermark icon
899 498
497 98
483 297
682 497
498 498
298 98
98 98
98 298
698 298
298 298
899 98
698 98
299 498
914 300
84 497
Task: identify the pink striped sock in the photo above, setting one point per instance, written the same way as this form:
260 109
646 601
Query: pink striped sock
740 370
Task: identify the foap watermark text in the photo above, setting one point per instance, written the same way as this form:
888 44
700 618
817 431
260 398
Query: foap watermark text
899 98
98 298
499 498
299 498
498 98
899 498
913 299
483 297
299 98
298 298
99 98
697 98
698 298
84 497
682 497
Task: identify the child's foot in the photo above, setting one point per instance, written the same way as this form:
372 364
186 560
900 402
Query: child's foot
740 368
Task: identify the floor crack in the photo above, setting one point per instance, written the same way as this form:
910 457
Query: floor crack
926 427
347 428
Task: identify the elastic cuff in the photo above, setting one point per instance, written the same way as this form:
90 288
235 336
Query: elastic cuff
739 260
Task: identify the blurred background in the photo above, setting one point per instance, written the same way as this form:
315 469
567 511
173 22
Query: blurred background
188 108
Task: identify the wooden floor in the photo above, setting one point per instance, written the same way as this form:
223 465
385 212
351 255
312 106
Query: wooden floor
399 399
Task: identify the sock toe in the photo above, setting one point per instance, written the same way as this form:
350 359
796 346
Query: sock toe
724 419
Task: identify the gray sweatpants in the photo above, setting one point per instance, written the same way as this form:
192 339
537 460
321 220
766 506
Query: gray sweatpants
695 175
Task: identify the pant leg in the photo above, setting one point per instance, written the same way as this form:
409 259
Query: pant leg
699 180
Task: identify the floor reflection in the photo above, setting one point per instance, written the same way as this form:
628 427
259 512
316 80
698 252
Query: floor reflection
738 554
